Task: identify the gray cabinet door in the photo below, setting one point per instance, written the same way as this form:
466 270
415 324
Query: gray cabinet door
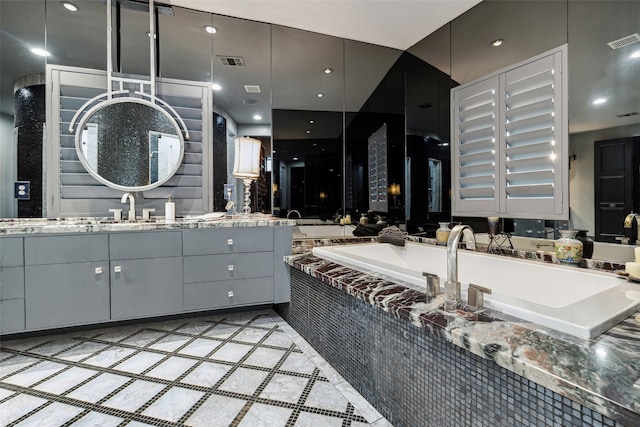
146 287
227 240
12 315
11 252
66 294
11 282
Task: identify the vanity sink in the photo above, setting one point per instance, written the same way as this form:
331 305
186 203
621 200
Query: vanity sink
576 301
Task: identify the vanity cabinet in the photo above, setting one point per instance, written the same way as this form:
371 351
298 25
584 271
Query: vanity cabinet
66 280
59 280
146 274
11 284
228 267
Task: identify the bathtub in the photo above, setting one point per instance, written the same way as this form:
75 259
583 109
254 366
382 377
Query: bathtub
576 301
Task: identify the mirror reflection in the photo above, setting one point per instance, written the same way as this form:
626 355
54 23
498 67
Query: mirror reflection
307 105
130 145
456 53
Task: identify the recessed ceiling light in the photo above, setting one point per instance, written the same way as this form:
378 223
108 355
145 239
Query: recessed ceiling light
257 117
210 29
39 52
328 70
319 95
635 54
216 86
312 121
599 101
308 131
295 158
69 6
497 42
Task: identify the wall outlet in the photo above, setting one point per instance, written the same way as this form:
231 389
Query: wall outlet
22 190
229 191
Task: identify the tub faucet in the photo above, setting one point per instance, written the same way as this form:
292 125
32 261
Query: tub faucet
452 285
132 205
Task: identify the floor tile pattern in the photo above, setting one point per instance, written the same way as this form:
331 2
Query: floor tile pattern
238 369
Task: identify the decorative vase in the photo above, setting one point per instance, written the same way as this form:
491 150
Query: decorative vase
442 233
587 243
568 249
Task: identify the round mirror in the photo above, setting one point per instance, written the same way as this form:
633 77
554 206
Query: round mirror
129 144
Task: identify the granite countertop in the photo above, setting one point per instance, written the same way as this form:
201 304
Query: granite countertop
602 374
20 226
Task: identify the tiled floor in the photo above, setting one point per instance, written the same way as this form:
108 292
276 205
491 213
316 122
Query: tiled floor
241 369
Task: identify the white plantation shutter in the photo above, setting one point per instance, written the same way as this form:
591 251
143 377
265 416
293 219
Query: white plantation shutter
517 120
532 138
475 158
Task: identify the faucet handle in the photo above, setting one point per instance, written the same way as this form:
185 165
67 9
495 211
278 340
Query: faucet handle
146 213
433 284
117 214
475 295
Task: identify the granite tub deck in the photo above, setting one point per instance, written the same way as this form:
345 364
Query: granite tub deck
599 373
22 226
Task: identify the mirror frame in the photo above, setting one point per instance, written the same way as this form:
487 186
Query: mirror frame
87 116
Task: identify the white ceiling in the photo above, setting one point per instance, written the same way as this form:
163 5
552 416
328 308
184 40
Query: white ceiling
393 23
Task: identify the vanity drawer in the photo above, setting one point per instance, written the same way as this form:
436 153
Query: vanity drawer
11 252
228 293
12 315
11 282
66 249
227 240
156 244
207 268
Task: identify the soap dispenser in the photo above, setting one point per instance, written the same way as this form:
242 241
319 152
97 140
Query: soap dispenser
170 210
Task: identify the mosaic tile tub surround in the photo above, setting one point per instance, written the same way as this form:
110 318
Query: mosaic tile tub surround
236 369
598 374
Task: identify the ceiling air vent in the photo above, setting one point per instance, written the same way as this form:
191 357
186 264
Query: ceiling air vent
252 88
231 61
634 113
625 41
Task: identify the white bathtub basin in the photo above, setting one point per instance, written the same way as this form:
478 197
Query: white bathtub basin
579 302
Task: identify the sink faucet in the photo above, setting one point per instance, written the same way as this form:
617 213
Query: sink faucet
132 206
293 211
452 285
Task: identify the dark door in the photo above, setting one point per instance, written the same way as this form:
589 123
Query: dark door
616 185
297 190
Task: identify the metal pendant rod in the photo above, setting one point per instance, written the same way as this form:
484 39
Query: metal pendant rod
109 63
152 49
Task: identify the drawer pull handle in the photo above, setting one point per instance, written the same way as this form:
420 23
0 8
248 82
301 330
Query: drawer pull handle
98 270
230 267
230 294
117 269
230 242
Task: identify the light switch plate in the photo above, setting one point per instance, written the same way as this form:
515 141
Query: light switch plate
229 188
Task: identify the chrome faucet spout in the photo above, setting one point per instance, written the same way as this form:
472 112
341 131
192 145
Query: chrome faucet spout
293 211
452 285
132 205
